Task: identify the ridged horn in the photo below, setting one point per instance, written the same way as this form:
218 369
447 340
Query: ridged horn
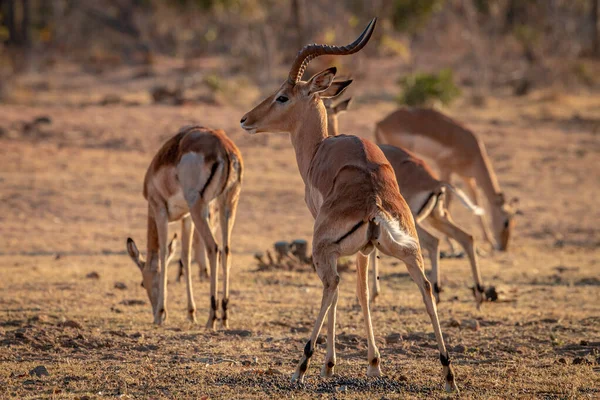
312 51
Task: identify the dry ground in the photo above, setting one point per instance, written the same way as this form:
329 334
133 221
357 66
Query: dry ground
71 193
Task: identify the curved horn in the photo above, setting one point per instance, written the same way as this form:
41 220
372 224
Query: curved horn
312 51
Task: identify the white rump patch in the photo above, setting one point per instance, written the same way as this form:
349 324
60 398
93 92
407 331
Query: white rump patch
392 227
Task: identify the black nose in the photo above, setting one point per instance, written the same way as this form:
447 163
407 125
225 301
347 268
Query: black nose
243 119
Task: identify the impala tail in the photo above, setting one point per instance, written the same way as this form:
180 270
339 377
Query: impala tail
474 208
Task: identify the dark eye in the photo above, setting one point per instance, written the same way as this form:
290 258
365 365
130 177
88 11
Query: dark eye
506 224
142 284
281 99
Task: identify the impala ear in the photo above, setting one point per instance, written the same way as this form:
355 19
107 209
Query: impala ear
342 106
134 253
321 81
336 89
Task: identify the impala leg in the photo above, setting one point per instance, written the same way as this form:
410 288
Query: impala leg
446 176
472 189
375 271
162 228
326 266
199 212
432 244
227 212
187 228
411 256
362 279
330 359
201 257
443 222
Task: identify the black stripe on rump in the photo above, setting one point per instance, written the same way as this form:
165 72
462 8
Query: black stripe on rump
354 229
424 204
213 171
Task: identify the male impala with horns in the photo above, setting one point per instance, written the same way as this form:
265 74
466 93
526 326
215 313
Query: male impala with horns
351 191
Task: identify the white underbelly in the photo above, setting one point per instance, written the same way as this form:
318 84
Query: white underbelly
429 148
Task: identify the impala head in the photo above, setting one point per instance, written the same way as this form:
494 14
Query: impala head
335 109
149 268
287 108
503 220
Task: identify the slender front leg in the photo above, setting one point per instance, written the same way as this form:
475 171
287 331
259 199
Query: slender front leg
472 187
227 212
199 212
326 266
362 279
375 271
187 227
162 228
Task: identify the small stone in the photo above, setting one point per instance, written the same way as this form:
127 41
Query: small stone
472 324
459 349
39 371
133 302
454 323
393 338
273 371
93 275
71 324
238 332
120 286
580 361
341 389
246 363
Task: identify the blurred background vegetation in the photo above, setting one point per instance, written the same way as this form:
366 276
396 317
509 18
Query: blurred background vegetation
441 45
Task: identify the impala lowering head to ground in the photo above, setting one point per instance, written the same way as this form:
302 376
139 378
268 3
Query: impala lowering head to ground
425 195
455 150
351 191
193 168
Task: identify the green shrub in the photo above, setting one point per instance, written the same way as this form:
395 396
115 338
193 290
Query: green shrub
411 15
422 89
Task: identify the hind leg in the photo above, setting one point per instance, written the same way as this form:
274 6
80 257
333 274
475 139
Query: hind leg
187 227
432 244
408 251
362 290
375 274
443 222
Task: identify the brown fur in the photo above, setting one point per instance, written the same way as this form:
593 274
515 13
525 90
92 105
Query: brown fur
455 150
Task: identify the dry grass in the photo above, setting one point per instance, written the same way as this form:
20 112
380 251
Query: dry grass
71 194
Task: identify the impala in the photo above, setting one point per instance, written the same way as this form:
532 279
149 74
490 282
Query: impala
454 149
425 195
191 169
351 191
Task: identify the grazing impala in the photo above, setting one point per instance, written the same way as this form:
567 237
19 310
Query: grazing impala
191 169
425 196
455 150
351 191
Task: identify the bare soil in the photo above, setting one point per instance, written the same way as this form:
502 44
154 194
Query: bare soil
71 192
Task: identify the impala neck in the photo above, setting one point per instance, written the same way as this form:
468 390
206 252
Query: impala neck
152 241
307 136
486 178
